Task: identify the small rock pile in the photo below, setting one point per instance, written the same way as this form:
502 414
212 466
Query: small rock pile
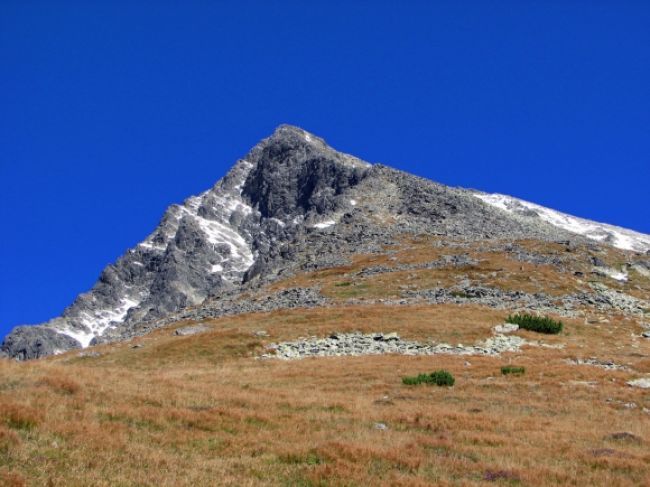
356 344
593 361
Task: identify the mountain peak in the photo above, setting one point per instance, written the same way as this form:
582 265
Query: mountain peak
287 130
292 204
291 136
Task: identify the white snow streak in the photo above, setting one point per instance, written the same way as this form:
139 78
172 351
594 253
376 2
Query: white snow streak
99 320
219 233
325 224
619 237
278 221
613 273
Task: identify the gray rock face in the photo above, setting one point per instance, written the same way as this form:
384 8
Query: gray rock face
291 204
299 175
29 342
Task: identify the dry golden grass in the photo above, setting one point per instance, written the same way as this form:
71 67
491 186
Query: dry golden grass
202 410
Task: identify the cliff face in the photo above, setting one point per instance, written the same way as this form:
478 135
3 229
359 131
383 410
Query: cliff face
292 203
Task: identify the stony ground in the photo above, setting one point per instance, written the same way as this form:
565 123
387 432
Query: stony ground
216 405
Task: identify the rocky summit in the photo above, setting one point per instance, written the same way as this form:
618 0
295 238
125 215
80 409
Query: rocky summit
294 205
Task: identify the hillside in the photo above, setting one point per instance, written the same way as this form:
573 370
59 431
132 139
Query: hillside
203 409
260 335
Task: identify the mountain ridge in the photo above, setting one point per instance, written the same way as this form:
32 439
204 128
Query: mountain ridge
292 202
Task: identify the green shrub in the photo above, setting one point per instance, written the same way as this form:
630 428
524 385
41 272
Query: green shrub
415 380
442 378
536 323
512 369
439 378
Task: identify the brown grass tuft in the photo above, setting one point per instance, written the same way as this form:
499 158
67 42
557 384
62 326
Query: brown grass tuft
18 416
8 439
11 479
496 475
61 383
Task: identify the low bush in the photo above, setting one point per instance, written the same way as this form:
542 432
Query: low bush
415 380
512 369
540 324
439 378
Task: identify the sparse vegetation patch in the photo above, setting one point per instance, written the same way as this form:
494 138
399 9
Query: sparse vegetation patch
439 378
512 370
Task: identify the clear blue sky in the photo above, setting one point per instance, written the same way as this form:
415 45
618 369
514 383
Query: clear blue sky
110 111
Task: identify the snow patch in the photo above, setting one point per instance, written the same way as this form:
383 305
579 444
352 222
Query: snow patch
353 202
151 246
219 233
278 221
325 224
619 237
98 320
613 273
216 268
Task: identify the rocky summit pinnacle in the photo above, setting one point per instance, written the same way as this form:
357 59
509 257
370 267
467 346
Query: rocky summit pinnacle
291 203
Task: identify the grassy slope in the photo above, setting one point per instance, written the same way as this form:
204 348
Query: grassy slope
200 410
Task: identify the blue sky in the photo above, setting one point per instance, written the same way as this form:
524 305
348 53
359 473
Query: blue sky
111 111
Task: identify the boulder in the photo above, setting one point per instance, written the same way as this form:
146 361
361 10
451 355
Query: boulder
643 383
30 342
506 328
191 330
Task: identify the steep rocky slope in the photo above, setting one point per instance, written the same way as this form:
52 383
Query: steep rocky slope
293 204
